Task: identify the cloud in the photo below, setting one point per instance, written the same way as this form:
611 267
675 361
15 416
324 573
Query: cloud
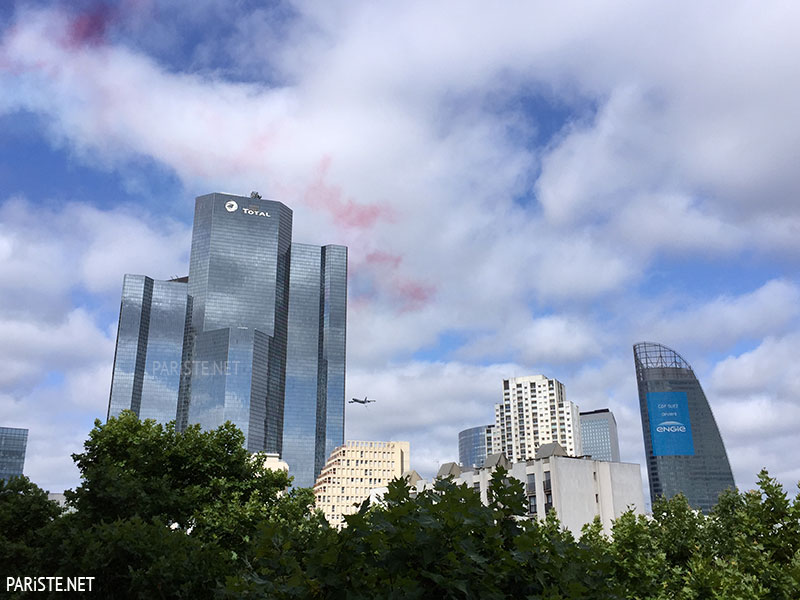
411 134
426 404
769 368
61 272
723 321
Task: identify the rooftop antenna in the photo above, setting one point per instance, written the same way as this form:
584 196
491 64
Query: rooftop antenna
255 195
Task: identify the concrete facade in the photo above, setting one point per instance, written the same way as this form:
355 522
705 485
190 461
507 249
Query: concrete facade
535 411
352 470
577 489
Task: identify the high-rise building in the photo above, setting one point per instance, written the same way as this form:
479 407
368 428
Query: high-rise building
474 445
599 435
13 443
534 411
352 470
254 335
684 449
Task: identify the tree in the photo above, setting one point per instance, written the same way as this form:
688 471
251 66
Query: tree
440 543
24 512
161 513
200 480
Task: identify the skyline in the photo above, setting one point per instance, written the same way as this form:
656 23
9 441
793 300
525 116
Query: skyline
522 192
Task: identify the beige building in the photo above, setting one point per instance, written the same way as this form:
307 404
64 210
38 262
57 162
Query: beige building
535 411
352 471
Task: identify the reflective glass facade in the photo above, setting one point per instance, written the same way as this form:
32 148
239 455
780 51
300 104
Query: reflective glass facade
474 445
599 435
153 322
257 332
684 449
312 428
13 443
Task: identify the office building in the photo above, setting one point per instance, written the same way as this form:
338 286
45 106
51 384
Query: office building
599 435
577 489
535 411
474 445
254 335
13 443
684 450
352 470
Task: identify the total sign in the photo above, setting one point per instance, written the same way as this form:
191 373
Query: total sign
670 428
255 210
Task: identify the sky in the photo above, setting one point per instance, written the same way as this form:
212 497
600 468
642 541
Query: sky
528 189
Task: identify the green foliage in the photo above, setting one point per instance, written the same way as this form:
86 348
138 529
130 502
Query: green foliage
132 467
24 512
166 515
161 513
748 548
133 558
442 543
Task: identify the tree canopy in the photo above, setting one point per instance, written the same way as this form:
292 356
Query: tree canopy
162 514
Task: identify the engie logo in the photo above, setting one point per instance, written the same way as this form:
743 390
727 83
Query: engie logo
231 206
671 427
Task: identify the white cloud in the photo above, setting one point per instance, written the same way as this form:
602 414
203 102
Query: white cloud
723 321
402 132
426 404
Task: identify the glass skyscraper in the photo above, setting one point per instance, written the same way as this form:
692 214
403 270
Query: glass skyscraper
13 443
474 445
599 435
254 335
683 446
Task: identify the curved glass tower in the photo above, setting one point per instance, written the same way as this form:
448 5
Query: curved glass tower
684 449
474 445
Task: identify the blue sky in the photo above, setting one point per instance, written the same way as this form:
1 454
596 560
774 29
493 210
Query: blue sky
526 190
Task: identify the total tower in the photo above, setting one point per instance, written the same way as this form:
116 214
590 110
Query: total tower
684 449
254 335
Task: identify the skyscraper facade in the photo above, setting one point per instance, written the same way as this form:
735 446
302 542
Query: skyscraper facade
254 335
599 435
684 450
474 445
535 411
13 443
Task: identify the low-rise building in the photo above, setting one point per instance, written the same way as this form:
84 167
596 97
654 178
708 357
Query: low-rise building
352 471
578 489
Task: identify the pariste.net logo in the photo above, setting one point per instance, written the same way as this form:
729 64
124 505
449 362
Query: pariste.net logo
49 584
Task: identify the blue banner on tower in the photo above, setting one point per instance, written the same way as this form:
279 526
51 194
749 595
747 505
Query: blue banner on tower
670 429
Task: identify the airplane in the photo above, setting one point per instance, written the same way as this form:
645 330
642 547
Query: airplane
365 401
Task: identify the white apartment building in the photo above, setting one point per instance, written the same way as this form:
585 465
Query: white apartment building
577 489
352 471
535 411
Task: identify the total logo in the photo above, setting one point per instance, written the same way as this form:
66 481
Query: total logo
671 427
233 206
